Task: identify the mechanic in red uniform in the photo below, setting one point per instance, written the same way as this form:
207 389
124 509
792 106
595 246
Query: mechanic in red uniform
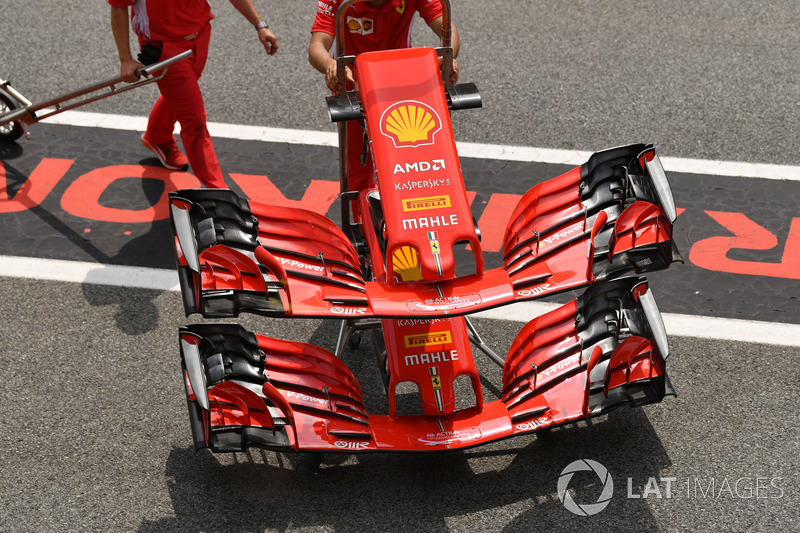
370 26
176 26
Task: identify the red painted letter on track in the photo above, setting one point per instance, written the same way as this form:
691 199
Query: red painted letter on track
36 188
318 197
712 253
82 198
494 220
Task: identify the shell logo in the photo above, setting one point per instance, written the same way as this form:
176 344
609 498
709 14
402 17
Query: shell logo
360 25
405 263
410 123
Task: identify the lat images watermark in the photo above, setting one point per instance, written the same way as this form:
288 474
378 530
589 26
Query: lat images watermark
709 488
757 487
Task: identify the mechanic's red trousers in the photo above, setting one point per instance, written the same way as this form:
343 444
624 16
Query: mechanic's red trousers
181 101
359 176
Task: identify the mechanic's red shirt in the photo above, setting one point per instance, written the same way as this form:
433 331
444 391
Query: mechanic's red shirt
370 28
166 20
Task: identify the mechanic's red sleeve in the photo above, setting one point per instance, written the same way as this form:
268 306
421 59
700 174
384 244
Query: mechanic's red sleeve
120 3
325 21
429 9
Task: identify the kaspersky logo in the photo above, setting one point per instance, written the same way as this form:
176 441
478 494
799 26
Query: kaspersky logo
410 123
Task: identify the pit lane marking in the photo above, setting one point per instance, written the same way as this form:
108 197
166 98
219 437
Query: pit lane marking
167 280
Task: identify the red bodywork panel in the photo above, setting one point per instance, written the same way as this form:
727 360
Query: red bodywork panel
412 222
431 353
416 164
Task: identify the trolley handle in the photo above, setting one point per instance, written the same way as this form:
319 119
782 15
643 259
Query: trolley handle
27 114
155 67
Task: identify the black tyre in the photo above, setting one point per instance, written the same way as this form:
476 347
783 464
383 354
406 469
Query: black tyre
13 131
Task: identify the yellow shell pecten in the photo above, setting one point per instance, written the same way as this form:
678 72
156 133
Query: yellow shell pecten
405 263
410 123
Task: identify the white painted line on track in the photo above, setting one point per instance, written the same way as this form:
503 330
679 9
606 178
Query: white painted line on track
474 150
167 280
93 273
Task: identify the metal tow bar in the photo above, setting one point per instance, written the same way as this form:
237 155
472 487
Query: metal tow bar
23 113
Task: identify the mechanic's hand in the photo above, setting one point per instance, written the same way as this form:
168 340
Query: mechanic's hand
269 40
454 77
332 78
128 68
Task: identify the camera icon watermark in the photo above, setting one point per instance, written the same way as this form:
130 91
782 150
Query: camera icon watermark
586 509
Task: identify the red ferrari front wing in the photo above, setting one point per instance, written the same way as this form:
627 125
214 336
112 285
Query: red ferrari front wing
604 350
600 221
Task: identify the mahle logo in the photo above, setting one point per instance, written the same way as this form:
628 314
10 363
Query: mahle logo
410 123
585 509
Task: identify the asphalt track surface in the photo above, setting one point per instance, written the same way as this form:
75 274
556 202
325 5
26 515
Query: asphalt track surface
95 436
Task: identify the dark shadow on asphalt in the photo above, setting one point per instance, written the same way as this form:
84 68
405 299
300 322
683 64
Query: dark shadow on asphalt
10 150
129 304
407 492
136 313
134 310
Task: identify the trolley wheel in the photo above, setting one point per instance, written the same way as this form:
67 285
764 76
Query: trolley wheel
12 131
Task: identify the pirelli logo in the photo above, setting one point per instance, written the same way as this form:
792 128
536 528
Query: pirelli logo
427 339
428 202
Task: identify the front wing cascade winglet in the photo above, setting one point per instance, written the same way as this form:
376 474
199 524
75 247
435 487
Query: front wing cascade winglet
248 390
628 186
604 350
231 259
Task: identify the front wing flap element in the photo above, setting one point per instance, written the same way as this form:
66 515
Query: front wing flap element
605 349
234 257
620 195
607 219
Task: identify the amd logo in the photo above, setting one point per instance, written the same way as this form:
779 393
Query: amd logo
420 166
